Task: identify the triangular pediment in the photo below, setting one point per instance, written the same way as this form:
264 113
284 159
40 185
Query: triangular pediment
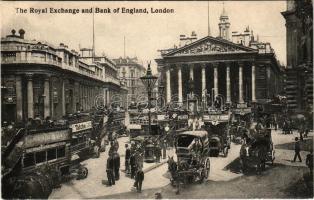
209 46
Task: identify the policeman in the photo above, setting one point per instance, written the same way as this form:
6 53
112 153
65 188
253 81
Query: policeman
110 168
116 158
133 164
127 158
139 178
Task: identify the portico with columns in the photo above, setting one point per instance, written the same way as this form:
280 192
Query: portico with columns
216 66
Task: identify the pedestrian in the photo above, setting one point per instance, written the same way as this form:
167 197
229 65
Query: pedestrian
110 168
309 161
115 144
157 153
297 150
116 158
133 164
164 149
139 178
127 159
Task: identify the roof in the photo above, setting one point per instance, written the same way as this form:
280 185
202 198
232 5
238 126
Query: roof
195 133
210 45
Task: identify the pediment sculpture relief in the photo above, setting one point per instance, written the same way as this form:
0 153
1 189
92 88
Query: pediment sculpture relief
208 47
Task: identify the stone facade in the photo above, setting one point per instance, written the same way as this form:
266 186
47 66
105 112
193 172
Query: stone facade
43 80
130 72
216 66
299 71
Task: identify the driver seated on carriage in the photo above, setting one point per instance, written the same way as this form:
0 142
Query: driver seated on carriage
195 146
196 149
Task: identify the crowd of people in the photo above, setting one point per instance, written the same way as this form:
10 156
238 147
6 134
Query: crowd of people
133 164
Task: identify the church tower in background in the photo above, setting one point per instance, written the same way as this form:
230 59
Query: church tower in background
224 25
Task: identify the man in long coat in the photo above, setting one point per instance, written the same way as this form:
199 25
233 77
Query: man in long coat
110 168
116 158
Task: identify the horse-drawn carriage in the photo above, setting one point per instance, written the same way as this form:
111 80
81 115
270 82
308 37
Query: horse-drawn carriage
257 150
217 126
192 163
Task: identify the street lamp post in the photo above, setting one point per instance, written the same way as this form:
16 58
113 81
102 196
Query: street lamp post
149 81
161 89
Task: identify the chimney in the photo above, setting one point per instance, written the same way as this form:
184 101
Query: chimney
182 38
13 31
22 33
193 36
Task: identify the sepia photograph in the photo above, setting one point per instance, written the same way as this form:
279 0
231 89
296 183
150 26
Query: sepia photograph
157 99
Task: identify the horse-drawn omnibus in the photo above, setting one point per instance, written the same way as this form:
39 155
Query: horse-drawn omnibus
216 123
241 119
35 160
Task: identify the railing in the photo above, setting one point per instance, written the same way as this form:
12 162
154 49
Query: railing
47 61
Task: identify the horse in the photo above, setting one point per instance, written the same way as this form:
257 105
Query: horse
172 168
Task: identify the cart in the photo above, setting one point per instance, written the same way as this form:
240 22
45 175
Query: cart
193 163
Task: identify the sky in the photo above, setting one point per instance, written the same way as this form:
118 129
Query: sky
144 34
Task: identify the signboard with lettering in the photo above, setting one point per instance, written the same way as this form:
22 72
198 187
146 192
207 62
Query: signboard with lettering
161 117
81 126
242 111
215 117
46 138
183 117
241 105
134 126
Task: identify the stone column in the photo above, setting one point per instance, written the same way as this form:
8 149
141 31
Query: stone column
191 71
30 96
253 83
88 97
47 97
216 78
228 98
63 96
108 97
241 82
203 80
105 96
180 84
168 85
19 98
76 96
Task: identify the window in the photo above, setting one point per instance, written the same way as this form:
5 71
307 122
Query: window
40 156
61 152
51 154
29 160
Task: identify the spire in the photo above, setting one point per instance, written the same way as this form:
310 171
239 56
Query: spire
224 13
224 24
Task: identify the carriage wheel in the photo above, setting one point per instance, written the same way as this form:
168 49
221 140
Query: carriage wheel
82 173
207 168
